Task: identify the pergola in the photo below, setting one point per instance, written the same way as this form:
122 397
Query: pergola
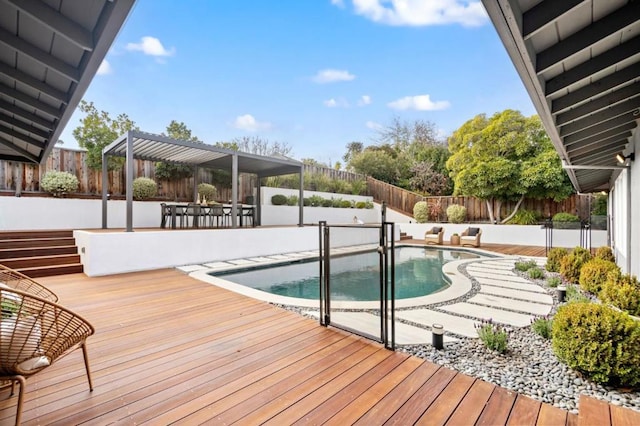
146 146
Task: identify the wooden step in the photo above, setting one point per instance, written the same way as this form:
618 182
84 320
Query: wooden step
53 233
36 251
48 271
36 242
31 262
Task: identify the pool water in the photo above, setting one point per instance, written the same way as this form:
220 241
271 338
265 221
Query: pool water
354 277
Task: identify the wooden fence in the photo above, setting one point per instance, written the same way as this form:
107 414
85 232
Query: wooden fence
19 178
403 200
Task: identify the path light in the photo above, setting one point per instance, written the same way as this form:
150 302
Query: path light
437 334
561 292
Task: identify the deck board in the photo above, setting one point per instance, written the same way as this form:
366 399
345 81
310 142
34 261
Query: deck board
169 348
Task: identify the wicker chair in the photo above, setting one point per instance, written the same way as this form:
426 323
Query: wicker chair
34 333
471 237
434 235
11 279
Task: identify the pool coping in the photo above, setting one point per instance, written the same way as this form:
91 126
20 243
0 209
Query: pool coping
459 284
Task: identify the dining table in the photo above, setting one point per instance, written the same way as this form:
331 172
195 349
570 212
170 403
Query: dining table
204 215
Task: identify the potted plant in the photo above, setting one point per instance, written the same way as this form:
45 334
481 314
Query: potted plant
455 239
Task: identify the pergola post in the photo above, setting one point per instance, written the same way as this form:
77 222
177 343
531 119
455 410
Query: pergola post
129 182
195 183
234 191
301 198
258 202
105 189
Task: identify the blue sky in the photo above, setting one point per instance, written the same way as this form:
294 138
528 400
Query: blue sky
316 74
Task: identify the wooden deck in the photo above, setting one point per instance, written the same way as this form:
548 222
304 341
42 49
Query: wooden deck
508 249
169 348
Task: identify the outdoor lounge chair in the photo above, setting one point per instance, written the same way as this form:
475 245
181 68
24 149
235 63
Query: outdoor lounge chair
434 235
471 237
12 279
34 333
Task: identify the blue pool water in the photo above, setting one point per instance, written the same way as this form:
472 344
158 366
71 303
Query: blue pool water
354 277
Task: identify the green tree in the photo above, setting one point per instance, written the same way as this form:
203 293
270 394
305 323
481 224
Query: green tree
506 157
376 163
97 130
257 145
353 149
426 179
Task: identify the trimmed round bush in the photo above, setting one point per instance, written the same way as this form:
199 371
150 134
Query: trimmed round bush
279 200
605 253
292 200
623 292
421 212
306 202
59 183
594 273
336 202
327 203
207 191
565 221
524 217
554 257
144 188
360 205
368 205
599 342
571 264
456 213
345 204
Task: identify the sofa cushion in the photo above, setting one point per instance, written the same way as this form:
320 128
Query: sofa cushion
474 231
436 230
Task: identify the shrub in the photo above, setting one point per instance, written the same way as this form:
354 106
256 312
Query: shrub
456 213
536 273
524 217
623 292
605 253
525 265
279 200
542 327
360 205
553 282
493 336
345 204
336 202
316 200
421 212
593 274
599 342
358 186
340 186
306 202
144 188
571 264
59 183
327 203
574 295
207 191
554 257
368 205
565 221
292 200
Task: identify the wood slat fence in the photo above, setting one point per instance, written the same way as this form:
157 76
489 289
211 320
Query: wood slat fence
403 200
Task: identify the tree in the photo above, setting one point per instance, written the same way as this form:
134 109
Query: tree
353 149
180 131
257 145
174 172
97 130
506 157
402 135
313 162
378 164
426 179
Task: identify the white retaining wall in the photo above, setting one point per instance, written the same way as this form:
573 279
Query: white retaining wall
105 253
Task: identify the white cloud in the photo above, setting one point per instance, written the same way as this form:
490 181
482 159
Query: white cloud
151 46
336 103
420 103
364 100
373 125
104 68
248 123
339 3
332 76
469 13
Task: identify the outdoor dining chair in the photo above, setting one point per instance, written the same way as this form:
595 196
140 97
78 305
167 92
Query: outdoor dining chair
34 333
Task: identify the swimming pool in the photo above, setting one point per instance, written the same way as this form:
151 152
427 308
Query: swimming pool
354 277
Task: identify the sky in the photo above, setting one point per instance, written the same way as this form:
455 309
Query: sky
314 74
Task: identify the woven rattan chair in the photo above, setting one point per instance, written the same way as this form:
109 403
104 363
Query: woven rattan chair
471 237
34 333
434 235
12 279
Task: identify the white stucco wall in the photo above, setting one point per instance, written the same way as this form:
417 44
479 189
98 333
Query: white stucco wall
532 235
104 253
267 192
25 213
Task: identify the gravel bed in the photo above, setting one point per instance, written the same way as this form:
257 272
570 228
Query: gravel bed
529 367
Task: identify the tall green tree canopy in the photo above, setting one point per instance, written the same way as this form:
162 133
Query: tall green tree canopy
97 130
505 157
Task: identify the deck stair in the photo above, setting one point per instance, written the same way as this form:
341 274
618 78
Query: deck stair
404 236
40 253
